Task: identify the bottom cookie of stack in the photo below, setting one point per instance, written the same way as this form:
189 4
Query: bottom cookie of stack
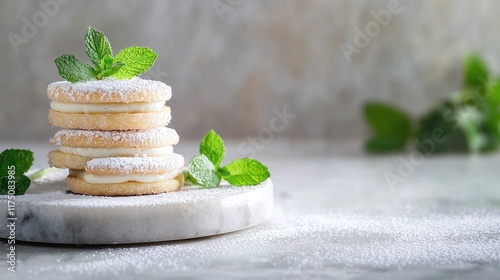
80 186
115 176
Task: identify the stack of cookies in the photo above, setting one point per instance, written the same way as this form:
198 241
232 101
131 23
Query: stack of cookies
114 140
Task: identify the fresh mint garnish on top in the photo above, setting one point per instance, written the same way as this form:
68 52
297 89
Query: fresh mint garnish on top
205 170
128 63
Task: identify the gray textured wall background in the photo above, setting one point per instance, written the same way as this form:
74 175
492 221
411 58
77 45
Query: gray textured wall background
229 74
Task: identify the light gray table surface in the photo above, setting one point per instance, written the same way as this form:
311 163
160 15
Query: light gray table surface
335 217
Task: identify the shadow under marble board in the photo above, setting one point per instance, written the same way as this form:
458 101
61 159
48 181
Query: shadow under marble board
50 213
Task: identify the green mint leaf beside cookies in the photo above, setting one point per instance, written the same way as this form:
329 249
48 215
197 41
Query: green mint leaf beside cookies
136 61
71 69
213 147
203 172
21 184
97 46
13 164
21 159
128 63
204 169
245 172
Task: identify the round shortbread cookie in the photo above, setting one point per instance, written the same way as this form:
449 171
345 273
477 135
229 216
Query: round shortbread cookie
61 160
110 91
134 165
117 121
117 165
158 137
78 185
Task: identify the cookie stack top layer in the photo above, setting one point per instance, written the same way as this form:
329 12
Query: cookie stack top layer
110 91
133 104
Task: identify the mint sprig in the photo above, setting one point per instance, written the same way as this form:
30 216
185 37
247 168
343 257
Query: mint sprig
467 121
128 63
205 170
14 163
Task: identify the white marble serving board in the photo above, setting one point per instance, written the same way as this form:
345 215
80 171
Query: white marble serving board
50 213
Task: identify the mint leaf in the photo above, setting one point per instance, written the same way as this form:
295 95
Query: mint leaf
441 119
385 145
386 120
245 172
476 72
390 126
136 60
189 178
202 170
21 159
21 184
106 62
16 162
493 114
71 69
469 119
97 46
212 146
113 69
108 67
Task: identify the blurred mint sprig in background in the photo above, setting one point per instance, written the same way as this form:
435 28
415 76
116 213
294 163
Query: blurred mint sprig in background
468 121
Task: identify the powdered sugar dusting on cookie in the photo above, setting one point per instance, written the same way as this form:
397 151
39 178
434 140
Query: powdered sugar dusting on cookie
132 165
128 138
110 91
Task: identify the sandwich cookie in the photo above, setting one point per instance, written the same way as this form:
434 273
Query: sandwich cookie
117 176
77 147
109 104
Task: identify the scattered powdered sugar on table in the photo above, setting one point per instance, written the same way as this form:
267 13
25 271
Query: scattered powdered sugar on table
305 243
444 223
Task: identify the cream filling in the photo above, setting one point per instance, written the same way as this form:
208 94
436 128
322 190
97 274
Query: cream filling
117 179
106 107
116 152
